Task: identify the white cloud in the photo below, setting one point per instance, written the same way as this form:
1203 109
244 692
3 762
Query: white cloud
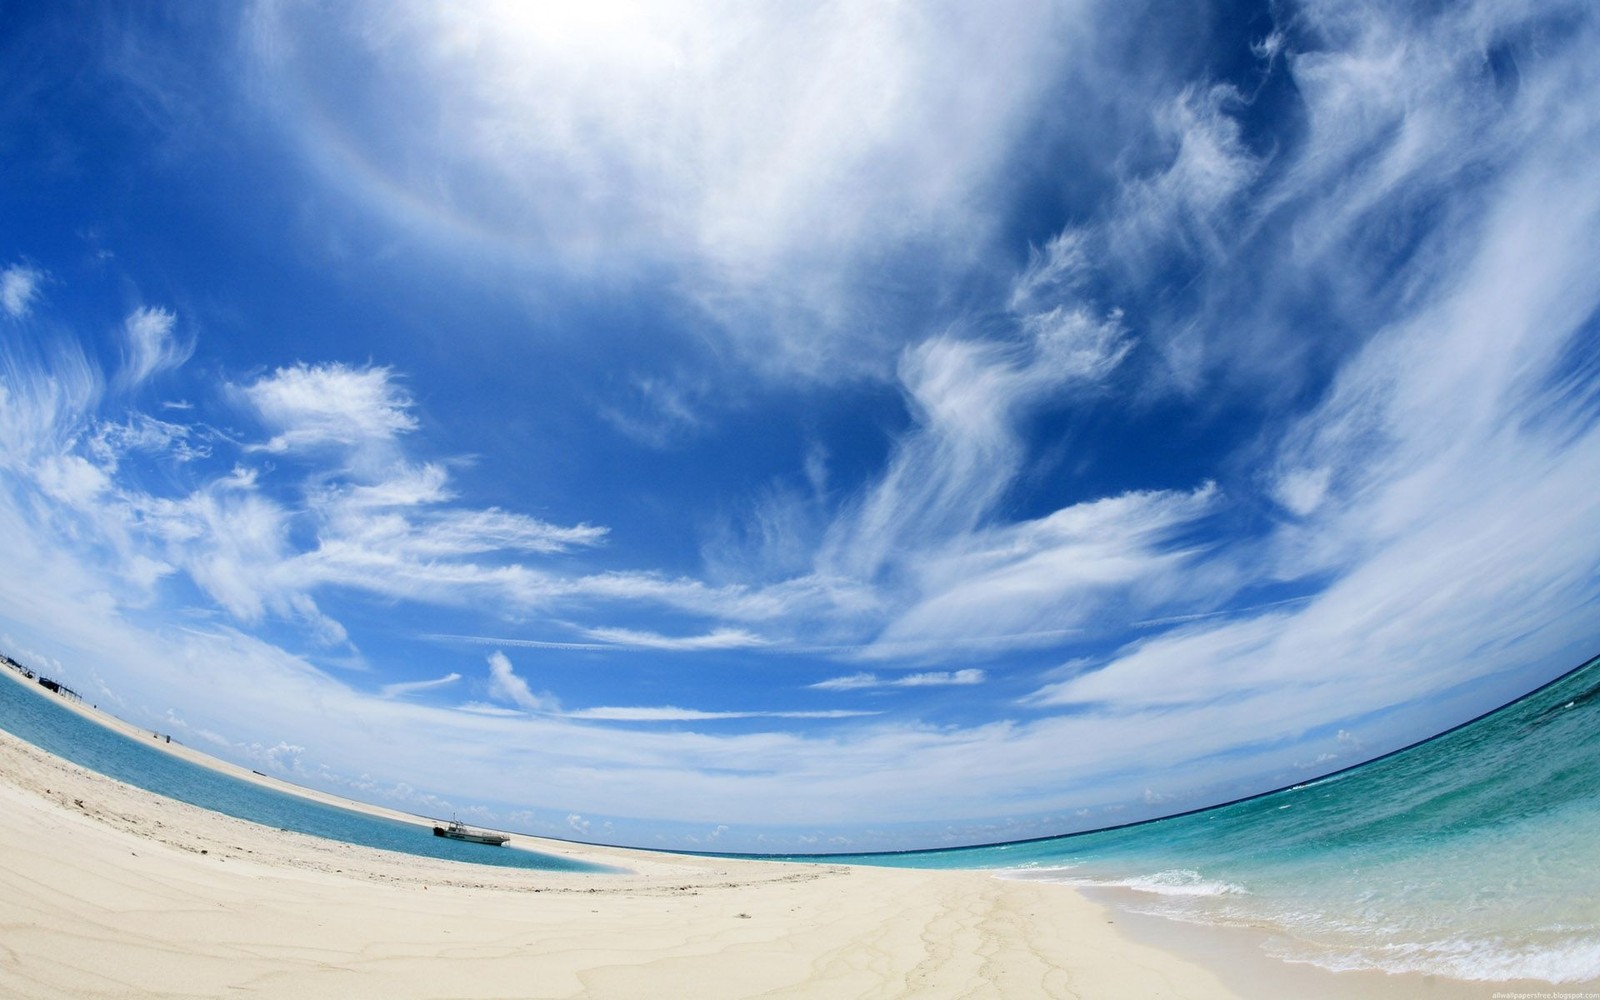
312 406
764 154
45 403
143 433
964 451
657 411
378 523
282 757
498 711
1210 167
368 530
403 688
150 346
671 713
1060 571
19 289
71 480
850 682
942 678
931 678
625 639
1301 490
1055 273
724 638
1269 47
1442 482
459 532
507 686
489 640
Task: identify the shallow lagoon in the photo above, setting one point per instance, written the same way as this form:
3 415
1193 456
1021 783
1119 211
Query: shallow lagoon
65 733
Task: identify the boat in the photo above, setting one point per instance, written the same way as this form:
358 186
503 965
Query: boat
457 830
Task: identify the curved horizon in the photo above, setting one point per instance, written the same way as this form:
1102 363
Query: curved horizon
1424 741
136 777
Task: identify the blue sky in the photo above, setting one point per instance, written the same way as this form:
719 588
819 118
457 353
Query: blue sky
771 427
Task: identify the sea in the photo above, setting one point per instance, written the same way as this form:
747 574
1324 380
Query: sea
42 721
1473 855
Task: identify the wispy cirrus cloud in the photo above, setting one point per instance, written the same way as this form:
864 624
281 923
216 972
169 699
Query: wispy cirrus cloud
724 638
507 686
402 688
312 406
19 289
930 678
151 345
1073 569
490 640
377 522
670 713
968 397
1437 485
918 564
657 411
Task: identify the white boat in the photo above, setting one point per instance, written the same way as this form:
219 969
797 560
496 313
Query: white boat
457 830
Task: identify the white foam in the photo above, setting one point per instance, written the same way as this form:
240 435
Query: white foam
1034 872
1173 882
1182 882
1475 960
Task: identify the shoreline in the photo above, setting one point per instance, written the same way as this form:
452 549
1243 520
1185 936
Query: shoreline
1057 940
1237 955
183 751
113 891
193 755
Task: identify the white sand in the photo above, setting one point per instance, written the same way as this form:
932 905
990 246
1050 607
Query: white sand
110 891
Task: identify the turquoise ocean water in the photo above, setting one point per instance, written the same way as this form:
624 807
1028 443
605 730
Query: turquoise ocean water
1475 855
46 724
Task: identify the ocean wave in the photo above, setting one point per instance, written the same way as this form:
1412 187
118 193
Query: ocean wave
1181 882
1173 882
1572 960
1035 872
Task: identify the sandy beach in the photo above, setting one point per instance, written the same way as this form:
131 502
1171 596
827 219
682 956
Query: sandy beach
108 890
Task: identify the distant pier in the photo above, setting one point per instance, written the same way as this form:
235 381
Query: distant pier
49 685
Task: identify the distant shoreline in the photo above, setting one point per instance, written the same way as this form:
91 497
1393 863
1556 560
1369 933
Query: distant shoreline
186 752
521 840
